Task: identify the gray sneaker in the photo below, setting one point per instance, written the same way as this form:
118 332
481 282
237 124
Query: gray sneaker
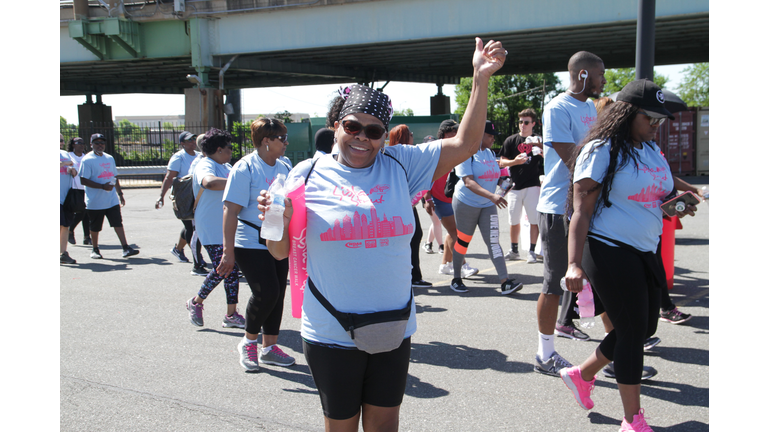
249 355
648 372
276 356
552 366
236 320
195 312
512 256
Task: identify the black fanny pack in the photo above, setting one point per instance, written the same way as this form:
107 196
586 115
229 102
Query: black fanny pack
373 332
257 228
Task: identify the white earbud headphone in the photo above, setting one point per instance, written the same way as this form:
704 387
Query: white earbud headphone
584 75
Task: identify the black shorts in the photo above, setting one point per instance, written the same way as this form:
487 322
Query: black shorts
348 378
96 218
65 217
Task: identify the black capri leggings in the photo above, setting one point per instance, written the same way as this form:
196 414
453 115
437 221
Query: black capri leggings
630 297
267 278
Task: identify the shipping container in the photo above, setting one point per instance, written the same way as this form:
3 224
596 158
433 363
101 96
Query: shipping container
702 141
677 140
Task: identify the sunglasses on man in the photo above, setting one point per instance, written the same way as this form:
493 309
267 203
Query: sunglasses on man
525 122
372 131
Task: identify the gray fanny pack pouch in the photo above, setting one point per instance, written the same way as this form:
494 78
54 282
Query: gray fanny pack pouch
373 332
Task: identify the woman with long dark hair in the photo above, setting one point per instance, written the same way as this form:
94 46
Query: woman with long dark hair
620 178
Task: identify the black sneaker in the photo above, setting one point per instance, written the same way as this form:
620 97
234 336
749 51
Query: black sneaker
95 254
674 316
199 271
129 251
87 241
510 286
648 372
421 284
66 259
650 343
442 249
71 239
458 285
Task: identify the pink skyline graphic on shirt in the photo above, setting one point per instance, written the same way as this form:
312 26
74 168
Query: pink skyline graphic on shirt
361 227
490 175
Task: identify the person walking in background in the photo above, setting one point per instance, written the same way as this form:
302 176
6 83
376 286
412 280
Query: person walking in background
210 175
567 119
400 134
243 245
323 142
525 167
178 167
435 228
76 149
103 196
66 172
620 178
474 206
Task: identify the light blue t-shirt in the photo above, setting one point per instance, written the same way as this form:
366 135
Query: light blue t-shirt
636 194
566 120
99 169
181 162
359 228
248 178
65 179
209 214
485 170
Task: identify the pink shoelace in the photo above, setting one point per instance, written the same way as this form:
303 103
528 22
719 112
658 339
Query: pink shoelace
252 351
279 352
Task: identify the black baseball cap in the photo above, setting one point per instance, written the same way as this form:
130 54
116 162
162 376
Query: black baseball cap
78 140
646 95
490 129
97 136
186 136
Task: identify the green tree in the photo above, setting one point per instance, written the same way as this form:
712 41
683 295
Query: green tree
63 123
405 113
508 95
284 116
694 90
618 78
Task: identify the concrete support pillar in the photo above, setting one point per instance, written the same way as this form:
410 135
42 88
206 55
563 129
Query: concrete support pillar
81 9
203 109
95 117
440 103
646 39
234 99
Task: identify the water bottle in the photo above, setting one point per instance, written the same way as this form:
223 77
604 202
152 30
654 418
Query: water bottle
272 227
705 193
504 187
585 300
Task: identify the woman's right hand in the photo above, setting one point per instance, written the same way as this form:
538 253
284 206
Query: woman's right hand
227 263
574 278
429 206
489 59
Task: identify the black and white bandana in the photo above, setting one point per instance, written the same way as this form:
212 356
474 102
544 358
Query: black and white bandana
362 99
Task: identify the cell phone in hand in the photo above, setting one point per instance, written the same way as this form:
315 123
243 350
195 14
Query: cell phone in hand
670 207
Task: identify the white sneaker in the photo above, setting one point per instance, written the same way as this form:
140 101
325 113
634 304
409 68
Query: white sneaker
532 258
446 269
467 271
512 256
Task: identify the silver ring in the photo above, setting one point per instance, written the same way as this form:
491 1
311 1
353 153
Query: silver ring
506 52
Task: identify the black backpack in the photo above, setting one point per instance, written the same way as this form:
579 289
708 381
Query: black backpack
184 201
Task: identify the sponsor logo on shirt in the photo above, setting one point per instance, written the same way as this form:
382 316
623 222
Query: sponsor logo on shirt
587 120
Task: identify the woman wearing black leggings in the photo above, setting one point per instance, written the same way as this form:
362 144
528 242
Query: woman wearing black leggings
620 178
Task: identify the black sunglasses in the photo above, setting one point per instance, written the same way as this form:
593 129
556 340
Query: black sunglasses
372 131
282 138
653 120
525 122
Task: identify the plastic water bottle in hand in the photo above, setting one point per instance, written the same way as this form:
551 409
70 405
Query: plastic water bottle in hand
705 193
585 300
272 227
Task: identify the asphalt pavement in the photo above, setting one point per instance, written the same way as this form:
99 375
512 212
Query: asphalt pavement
130 360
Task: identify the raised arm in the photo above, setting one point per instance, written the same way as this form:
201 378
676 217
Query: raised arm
486 61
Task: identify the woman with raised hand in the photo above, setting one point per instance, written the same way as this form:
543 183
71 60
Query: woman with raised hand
359 227
620 178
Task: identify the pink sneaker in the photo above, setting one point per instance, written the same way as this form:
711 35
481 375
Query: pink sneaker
581 389
638 423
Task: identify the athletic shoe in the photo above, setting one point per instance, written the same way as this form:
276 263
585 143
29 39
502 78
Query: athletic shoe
510 286
638 424
650 343
532 258
582 390
249 355
512 256
179 254
467 271
199 271
276 357
552 366
442 249
66 259
129 251
87 241
571 332
446 269
674 316
421 284
235 320
195 312
95 254
458 285
648 372
428 248
71 238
